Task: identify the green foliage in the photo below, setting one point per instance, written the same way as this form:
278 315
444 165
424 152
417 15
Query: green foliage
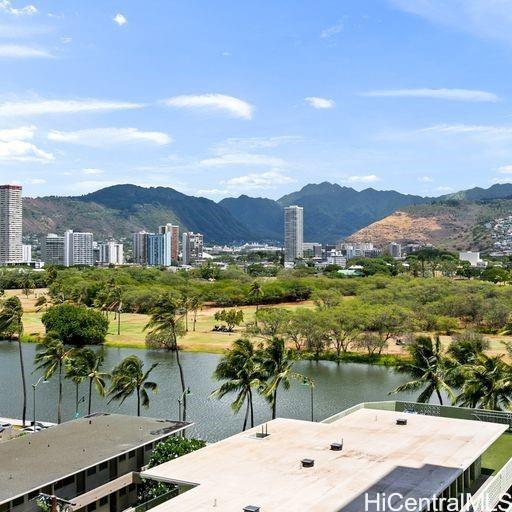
231 317
166 450
76 325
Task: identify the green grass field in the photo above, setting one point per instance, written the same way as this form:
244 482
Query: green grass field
498 454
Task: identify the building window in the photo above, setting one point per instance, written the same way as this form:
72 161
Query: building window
122 457
103 466
131 454
17 502
32 495
91 507
131 487
122 491
103 501
91 471
148 447
68 481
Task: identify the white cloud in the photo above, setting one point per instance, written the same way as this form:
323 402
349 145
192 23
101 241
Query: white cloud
14 146
212 192
99 137
254 181
16 51
505 169
242 159
6 5
20 133
487 132
92 171
120 19
22 151
317 102
440 94
370 178
332 31
235 107
36 181
66 40
425 179
483 18
42 106
251 143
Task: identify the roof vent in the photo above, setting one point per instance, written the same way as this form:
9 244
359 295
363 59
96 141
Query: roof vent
337 447
307 463
264 431
401 421
251 508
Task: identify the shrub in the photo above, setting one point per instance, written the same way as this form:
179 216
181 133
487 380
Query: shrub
76 325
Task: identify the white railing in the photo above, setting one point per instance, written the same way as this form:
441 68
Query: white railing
492 491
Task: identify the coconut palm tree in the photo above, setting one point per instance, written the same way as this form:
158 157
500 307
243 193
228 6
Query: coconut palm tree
88 363
167 317
11 321
195 305
128 377
428 369
487 384
278 361
52 357
256 293
242 372
75 372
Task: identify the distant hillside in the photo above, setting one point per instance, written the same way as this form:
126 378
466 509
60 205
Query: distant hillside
497 191
264 217
332 212
451 225
121 209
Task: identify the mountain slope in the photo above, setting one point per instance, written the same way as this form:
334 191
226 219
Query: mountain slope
452 225
497 191
120 210
264 217
332 212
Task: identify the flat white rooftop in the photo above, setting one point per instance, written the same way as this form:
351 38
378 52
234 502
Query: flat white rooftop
418 460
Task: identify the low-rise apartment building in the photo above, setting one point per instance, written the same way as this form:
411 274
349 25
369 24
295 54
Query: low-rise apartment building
93 462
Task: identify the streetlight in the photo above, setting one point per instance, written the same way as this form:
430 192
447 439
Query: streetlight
34 386
180 401
308 381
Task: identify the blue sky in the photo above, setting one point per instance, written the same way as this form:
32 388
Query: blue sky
227 97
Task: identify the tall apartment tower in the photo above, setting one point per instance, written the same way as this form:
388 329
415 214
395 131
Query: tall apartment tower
173 240
293 232
11 217
191 247
52 249
111 253
140 247
78 249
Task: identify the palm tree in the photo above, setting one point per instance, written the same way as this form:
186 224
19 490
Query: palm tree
88 363
242 372
256 293
195 305
167 317
427 366
11 316
42 302
487 384
75 371
278 362
52 357
128 377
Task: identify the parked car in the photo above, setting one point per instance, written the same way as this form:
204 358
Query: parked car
5 426
31 429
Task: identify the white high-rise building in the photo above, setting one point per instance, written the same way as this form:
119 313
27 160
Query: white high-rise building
293 232
111 253
140 247
78 248
26 254
172 241
191 247
11 216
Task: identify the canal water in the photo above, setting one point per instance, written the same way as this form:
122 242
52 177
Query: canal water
336 388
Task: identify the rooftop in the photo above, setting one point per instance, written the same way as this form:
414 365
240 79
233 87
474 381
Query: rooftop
418 460
38 459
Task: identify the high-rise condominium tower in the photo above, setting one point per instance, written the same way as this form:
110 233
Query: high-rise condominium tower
78 249
191 247
140 247
52 249
10 224
293 232
174 240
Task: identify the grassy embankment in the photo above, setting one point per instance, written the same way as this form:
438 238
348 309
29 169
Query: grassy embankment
203 339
